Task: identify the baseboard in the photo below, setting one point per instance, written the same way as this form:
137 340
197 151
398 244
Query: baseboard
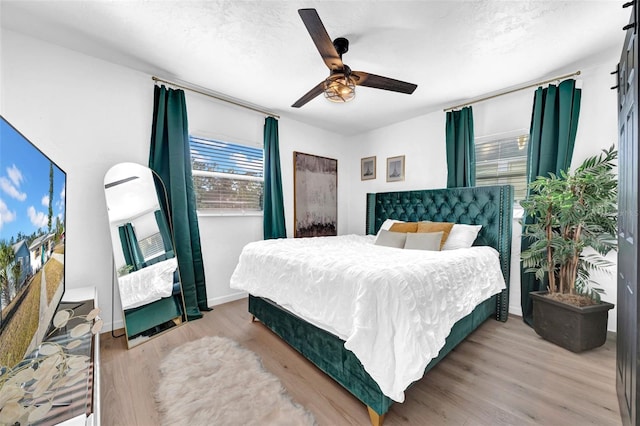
225 299
515 310
116 325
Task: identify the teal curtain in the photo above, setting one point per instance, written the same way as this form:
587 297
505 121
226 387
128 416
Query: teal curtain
274 225
461 150
554 123
130 247
170 158
164 233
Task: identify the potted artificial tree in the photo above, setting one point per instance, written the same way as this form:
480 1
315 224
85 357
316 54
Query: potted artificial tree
575 228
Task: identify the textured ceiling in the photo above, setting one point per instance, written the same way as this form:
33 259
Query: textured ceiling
259 51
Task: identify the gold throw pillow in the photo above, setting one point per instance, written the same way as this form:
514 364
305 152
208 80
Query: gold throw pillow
445 227
404 227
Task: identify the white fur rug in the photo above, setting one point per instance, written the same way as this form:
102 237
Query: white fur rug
215 381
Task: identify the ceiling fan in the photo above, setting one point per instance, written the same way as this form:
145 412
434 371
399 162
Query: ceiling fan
340 85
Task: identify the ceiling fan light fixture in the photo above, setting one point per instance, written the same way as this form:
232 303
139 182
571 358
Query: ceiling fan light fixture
341 85
339 88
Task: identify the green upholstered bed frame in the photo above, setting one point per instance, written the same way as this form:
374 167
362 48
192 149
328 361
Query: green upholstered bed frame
491 207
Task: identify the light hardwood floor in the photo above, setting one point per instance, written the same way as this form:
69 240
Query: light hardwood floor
503 374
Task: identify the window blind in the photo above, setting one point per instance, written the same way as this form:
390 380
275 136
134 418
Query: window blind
227 177
503 161
152 246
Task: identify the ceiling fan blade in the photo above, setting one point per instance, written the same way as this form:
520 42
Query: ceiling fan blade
321 39
309 95
376 81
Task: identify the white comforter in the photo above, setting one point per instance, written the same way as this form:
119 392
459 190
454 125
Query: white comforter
393 308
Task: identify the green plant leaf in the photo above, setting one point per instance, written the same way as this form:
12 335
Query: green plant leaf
568 212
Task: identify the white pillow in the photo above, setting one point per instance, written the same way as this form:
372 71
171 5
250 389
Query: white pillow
391 239
423 241
386 225
461 236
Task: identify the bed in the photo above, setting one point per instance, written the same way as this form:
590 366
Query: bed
490 207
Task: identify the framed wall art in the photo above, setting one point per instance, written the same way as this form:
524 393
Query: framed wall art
368 168
315 195
395 169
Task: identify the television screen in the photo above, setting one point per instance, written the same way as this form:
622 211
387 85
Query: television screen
32 235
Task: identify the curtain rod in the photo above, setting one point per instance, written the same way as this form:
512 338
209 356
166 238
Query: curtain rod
218 97
506 92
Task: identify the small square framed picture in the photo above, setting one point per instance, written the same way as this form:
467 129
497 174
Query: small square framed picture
368 168
395 169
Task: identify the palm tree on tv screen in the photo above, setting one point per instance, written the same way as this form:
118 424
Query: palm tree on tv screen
50 195
6 257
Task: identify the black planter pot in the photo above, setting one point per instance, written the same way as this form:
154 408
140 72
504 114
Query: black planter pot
574 328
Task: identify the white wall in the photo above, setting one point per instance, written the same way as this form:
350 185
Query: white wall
422 141
88 114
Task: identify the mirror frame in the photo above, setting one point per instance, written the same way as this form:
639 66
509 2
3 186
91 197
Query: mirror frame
160 308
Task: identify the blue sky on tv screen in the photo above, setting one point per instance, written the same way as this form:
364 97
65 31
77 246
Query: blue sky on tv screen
24 186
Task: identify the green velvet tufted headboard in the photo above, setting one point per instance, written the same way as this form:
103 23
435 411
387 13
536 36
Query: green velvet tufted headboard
489 206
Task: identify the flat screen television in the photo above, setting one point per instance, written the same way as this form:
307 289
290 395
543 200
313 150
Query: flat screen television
32 237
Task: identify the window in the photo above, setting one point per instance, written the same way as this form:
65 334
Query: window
227 177
503 162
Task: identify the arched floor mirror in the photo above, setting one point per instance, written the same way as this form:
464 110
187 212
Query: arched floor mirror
144 260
